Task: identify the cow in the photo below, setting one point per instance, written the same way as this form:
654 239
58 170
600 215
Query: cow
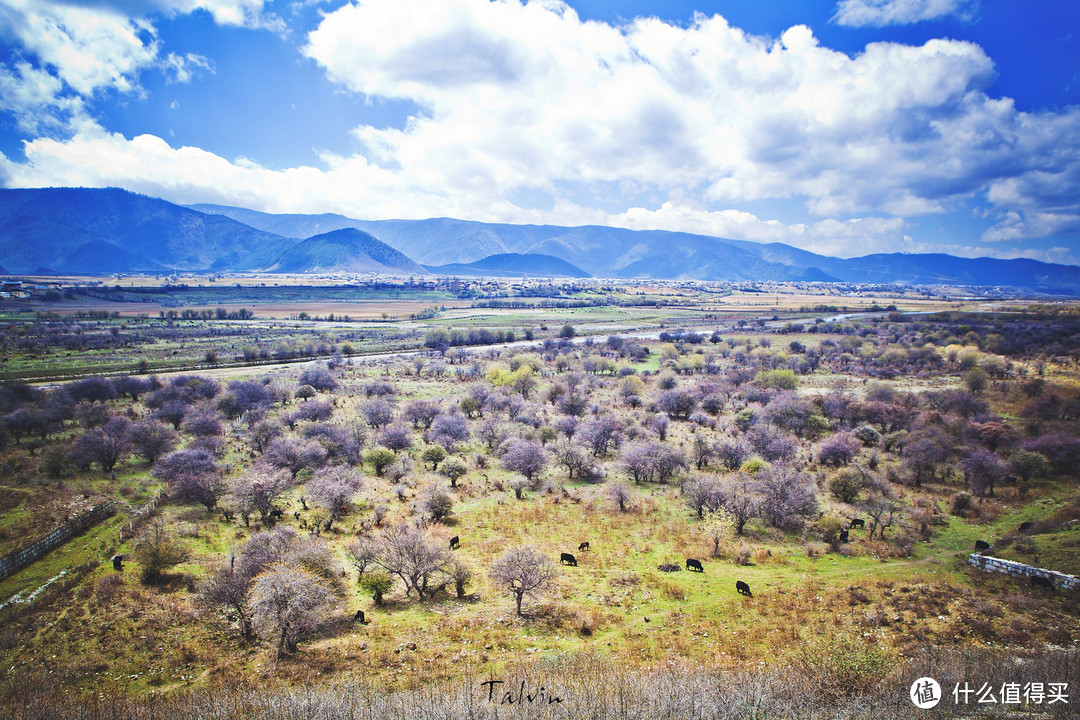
1040 581
118 562
568 559
743 589
843 536
857 523
692 564
296 515
583 546
276 513
981 545
455 543
359 617
1026 526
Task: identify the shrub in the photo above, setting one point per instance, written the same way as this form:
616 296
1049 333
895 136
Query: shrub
960 503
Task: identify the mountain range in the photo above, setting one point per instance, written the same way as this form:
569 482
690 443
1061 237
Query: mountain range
105 231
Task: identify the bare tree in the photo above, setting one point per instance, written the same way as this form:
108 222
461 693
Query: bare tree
227 586
523 571
257 490
106 446
785 493
293 455
152 439
526 457
701 494
158 551
288 603
333 489
620 494
418 560
739 497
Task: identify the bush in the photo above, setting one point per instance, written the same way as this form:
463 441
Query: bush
960 503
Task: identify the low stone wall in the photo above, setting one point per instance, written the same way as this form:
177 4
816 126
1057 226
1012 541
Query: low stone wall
27 554
992 564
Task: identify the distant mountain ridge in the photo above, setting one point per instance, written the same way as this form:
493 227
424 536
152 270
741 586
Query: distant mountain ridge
513 265
618 252
346 250
101 231
105 231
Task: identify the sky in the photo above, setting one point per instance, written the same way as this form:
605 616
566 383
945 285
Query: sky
844 127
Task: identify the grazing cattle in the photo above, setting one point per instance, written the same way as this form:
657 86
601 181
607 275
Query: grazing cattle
455 543
1040 581
858 523
692 564
276 513
743 589
1026 526
981 545
583 546
118 562
568 559
843 536
296 515
359 617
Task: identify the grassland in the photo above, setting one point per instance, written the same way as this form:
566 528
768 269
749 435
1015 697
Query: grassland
889 597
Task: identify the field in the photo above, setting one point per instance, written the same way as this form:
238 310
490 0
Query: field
746 438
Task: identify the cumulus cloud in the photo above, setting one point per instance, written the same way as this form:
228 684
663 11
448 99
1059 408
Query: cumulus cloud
71 50
181 68
248 13
879 13
531 96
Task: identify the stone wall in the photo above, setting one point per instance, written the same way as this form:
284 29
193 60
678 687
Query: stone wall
992 564
27 554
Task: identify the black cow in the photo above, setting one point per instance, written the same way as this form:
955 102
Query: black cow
118 562
858 523
359 617
981 545
455 543
743 589
568 559
692 564
296 515
583 546
1026 526
1040 581
276 513
843 536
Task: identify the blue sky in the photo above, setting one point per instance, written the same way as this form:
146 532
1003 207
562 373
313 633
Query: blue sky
844 126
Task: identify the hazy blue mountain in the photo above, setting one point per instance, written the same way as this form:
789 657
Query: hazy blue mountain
513 265
110 230
102 231
616 252
346 250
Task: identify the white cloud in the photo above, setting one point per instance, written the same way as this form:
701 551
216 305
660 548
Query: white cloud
248 13
879 13
87 48
181 68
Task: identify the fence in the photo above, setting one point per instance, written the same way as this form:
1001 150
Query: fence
27 554
139 515
993 564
